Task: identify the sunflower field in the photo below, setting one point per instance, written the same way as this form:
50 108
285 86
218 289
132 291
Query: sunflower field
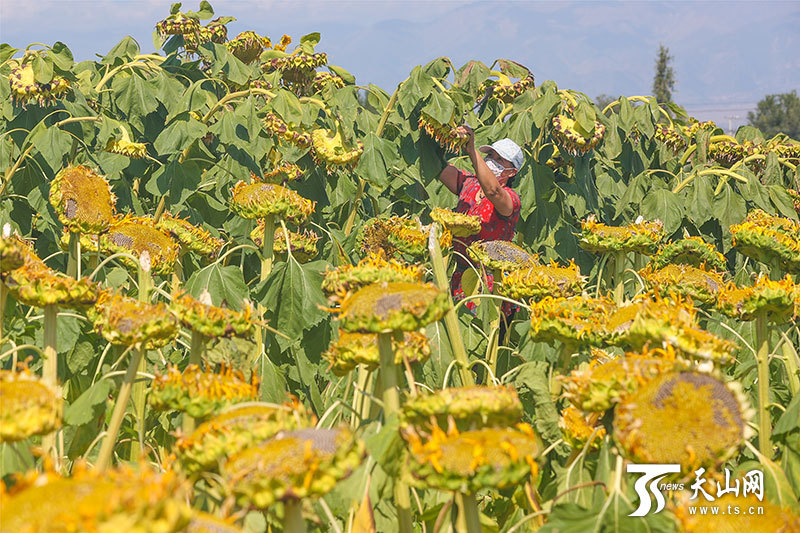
225 305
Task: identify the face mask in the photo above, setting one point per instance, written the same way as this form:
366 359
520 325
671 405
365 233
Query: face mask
495 167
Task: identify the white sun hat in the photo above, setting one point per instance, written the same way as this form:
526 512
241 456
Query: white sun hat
507 149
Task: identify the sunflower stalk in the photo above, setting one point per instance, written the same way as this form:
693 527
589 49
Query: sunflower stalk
139 388
124 395
450 319
469 518
391 407
619 278
74 259
293 517
3 300
196 353
762 358
266 267
50 367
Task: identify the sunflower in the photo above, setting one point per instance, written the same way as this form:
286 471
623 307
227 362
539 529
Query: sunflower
210 320
689 418
330 150
200 393
247 46
37 285
500 255
670 137
769 239
447 135
13 252
506 92
397 235
374 268
292 465
277 127
123 320
469 407
392 306
539 281
82 200
134 235
774 519
25 89
459 224
577 428
642 237
177 24
127 148
28 406
259 200
692 251
352 349
578 320
775 298
697 283
303 245
281 174
566 133
194 238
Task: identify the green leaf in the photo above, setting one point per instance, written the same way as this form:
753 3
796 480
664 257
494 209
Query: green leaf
222 61
205 12
532 384
544 108
789 420
348 78
293 296
89 405
585 118
53 144
179 133
665 206
225 284
311 38
701 201
133 95
42 69
782 201
62 56
386 446
372 166
7 52
777 488
287 106
440 108
729 207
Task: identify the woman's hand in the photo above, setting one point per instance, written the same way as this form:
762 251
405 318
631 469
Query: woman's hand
469 146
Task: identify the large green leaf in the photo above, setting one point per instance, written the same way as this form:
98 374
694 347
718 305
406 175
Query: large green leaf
225 284
89 404
440 108
293 297
665 206
133 95
182 131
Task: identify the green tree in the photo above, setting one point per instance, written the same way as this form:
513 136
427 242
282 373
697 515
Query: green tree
602 100
777 113
664 80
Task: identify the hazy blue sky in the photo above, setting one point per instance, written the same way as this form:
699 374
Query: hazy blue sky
728 55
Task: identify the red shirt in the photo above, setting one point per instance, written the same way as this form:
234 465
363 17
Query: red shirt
494 227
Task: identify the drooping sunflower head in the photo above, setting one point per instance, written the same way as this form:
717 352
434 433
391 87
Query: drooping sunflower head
577 320
325 79
194 238
697 343
769 517
648 320
697 283
539 281
127 148
331 151
769 239
374 268
578 427
135 235
448 135
274 125
124 320
215 31
82 199
604 381
353 349
13 252
259 200
693 251
37 285
25 89
199 392
398 235
302 245
282 173
468 407
508 91
726 153
642 237
773 298
238 427
28 406
691 129
122 499
500 255
670 137
177 24
247 46
292 465
298 67
210 320
459 224
573 141
689 418
392 306
473 460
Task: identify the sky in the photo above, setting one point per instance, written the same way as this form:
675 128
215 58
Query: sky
727 55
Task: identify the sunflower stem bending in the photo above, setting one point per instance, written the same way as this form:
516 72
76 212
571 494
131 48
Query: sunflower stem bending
450 319
121 404
762 357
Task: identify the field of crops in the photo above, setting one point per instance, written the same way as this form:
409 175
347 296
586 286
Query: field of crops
225 304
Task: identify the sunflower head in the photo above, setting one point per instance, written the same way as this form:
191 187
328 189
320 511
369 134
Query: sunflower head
670 137
398 235
500 255
177 24
124 320
642 237
28 406
25 89
449 136
292 465
774 518
210 320
126 148
473 460
578 427
201 393
689 418
259 200
697 283
539 281
82 199
135 235
275 126
352 349
282 173
769 239
298 67
247 46
374 268
13 252
468 407
506 92
332 152
692 251
774 298
577 320
37 285
235 429
303 245
324 79
691 129
392 306
459 224
648 321
573 141
192 237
